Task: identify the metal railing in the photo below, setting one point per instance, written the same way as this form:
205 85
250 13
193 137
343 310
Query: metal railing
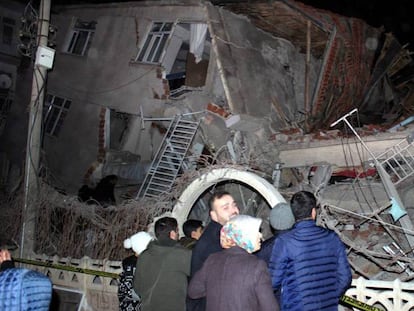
398 161
386 295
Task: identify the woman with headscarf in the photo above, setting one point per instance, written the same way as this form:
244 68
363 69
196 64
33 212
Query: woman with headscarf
234 279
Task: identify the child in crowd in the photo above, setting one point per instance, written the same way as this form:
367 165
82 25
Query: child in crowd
192 228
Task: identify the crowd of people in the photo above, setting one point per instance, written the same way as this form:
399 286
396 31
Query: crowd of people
221 267
225 266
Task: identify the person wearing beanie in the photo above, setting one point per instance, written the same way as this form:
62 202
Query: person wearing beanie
234 279
128 299
138 242
281 219
309 264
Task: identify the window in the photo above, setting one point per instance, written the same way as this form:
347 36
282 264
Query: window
5 103
183 51
6 93
80 37
155 43
7 31
54 112
187 57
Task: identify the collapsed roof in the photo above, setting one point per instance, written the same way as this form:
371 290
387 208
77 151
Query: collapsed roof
360 66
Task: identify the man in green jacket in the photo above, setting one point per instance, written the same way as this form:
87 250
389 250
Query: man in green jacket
163 269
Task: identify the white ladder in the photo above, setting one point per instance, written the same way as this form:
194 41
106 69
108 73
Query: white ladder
170 158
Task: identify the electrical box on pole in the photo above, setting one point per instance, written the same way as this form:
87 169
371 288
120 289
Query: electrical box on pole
45 57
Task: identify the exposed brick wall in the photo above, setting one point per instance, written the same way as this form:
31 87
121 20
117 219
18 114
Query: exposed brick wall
166 86
101 147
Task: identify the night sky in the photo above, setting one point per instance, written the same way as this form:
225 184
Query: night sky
395 16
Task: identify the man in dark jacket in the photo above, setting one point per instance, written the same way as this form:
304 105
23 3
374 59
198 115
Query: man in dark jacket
162 271
222 207
309 263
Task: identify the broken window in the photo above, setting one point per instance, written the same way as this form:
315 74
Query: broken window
80 37
8 30
183 49
119 122
54 113
187 57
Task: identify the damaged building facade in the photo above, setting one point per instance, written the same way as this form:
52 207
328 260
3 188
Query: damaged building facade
247 72
151 75
160 92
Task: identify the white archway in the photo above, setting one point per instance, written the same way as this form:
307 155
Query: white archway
190 195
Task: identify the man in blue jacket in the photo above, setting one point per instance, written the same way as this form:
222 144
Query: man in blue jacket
309 263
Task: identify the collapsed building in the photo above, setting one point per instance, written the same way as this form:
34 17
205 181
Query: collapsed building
263 99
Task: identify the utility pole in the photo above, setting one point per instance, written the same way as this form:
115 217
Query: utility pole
31 181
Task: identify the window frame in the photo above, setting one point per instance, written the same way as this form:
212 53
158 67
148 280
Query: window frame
9 24
54 115
156 41
77 34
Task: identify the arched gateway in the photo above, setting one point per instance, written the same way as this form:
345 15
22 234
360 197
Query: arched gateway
190 195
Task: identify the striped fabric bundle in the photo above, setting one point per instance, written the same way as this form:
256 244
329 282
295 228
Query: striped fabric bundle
24 289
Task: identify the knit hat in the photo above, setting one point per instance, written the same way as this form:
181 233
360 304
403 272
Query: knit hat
138 242
240 230
281 217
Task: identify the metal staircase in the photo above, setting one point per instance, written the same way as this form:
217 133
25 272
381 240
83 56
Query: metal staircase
170 158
